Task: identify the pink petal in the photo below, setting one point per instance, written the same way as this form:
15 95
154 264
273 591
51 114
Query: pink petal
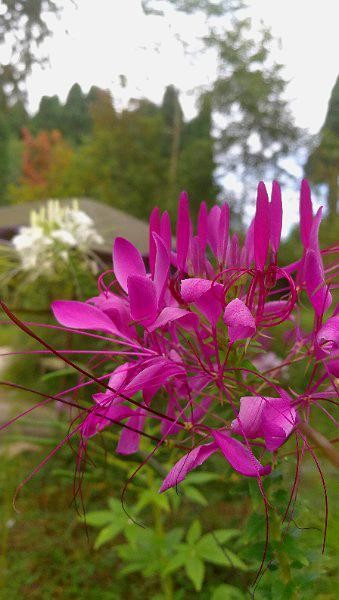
239 456
80 315
165 231
318 293
189 461
249 420
279 419
183 231
249 243
314 233
333 366
161 269
202 226
116 383
119 376
104 417
213 228
127 261
192 289
143 299
275 216
270 418
153 376
210 303
234 251
240 321
328 335
197 257
306 213
129 441
170 314
275 308
261 227
223 231
117 309
154 227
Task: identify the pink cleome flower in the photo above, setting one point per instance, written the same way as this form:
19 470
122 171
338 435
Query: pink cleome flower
190 326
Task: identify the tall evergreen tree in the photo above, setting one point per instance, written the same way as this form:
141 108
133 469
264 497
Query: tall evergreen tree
76 114
50 115
247 94
18 117
322 166
4 157
197 164
173 120
23 23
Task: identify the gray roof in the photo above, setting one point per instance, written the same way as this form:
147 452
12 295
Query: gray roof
109 222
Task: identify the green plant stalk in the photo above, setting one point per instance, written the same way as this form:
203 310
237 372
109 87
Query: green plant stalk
166 580
283 558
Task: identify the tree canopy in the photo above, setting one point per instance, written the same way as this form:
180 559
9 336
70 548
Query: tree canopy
22 28
322 166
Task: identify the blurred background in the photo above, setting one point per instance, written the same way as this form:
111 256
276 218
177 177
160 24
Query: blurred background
130 102
122 104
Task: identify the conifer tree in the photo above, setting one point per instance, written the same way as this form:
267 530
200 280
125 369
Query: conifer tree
322 166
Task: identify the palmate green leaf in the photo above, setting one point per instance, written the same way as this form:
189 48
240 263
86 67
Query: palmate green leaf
176 562
224 535
235 560
148 551
148 497
108 533
113 521
196 478
227 592
194 532
195 570
115 506
210 549
195 495
173 537
99 518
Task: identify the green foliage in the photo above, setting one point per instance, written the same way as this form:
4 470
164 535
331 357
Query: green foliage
17 118
143 156
332 116
76 114
4 157
322 166
50 115
72 119
257 126
216 8
248 93
199 549
161 550
165 546
25 21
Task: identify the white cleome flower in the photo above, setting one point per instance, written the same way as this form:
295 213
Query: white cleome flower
53 230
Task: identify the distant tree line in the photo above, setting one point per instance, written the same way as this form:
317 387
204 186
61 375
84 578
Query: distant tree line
147 153
322 166
134 158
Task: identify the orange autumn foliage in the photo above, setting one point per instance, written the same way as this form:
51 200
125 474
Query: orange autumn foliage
40 154
46 161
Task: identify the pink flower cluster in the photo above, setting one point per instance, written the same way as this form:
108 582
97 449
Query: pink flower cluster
188 331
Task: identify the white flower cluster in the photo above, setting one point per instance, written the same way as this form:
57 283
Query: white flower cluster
52 232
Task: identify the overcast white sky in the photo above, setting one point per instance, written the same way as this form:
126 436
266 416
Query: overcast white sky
98 41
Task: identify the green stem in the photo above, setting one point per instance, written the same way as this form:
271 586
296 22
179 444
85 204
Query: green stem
166 580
